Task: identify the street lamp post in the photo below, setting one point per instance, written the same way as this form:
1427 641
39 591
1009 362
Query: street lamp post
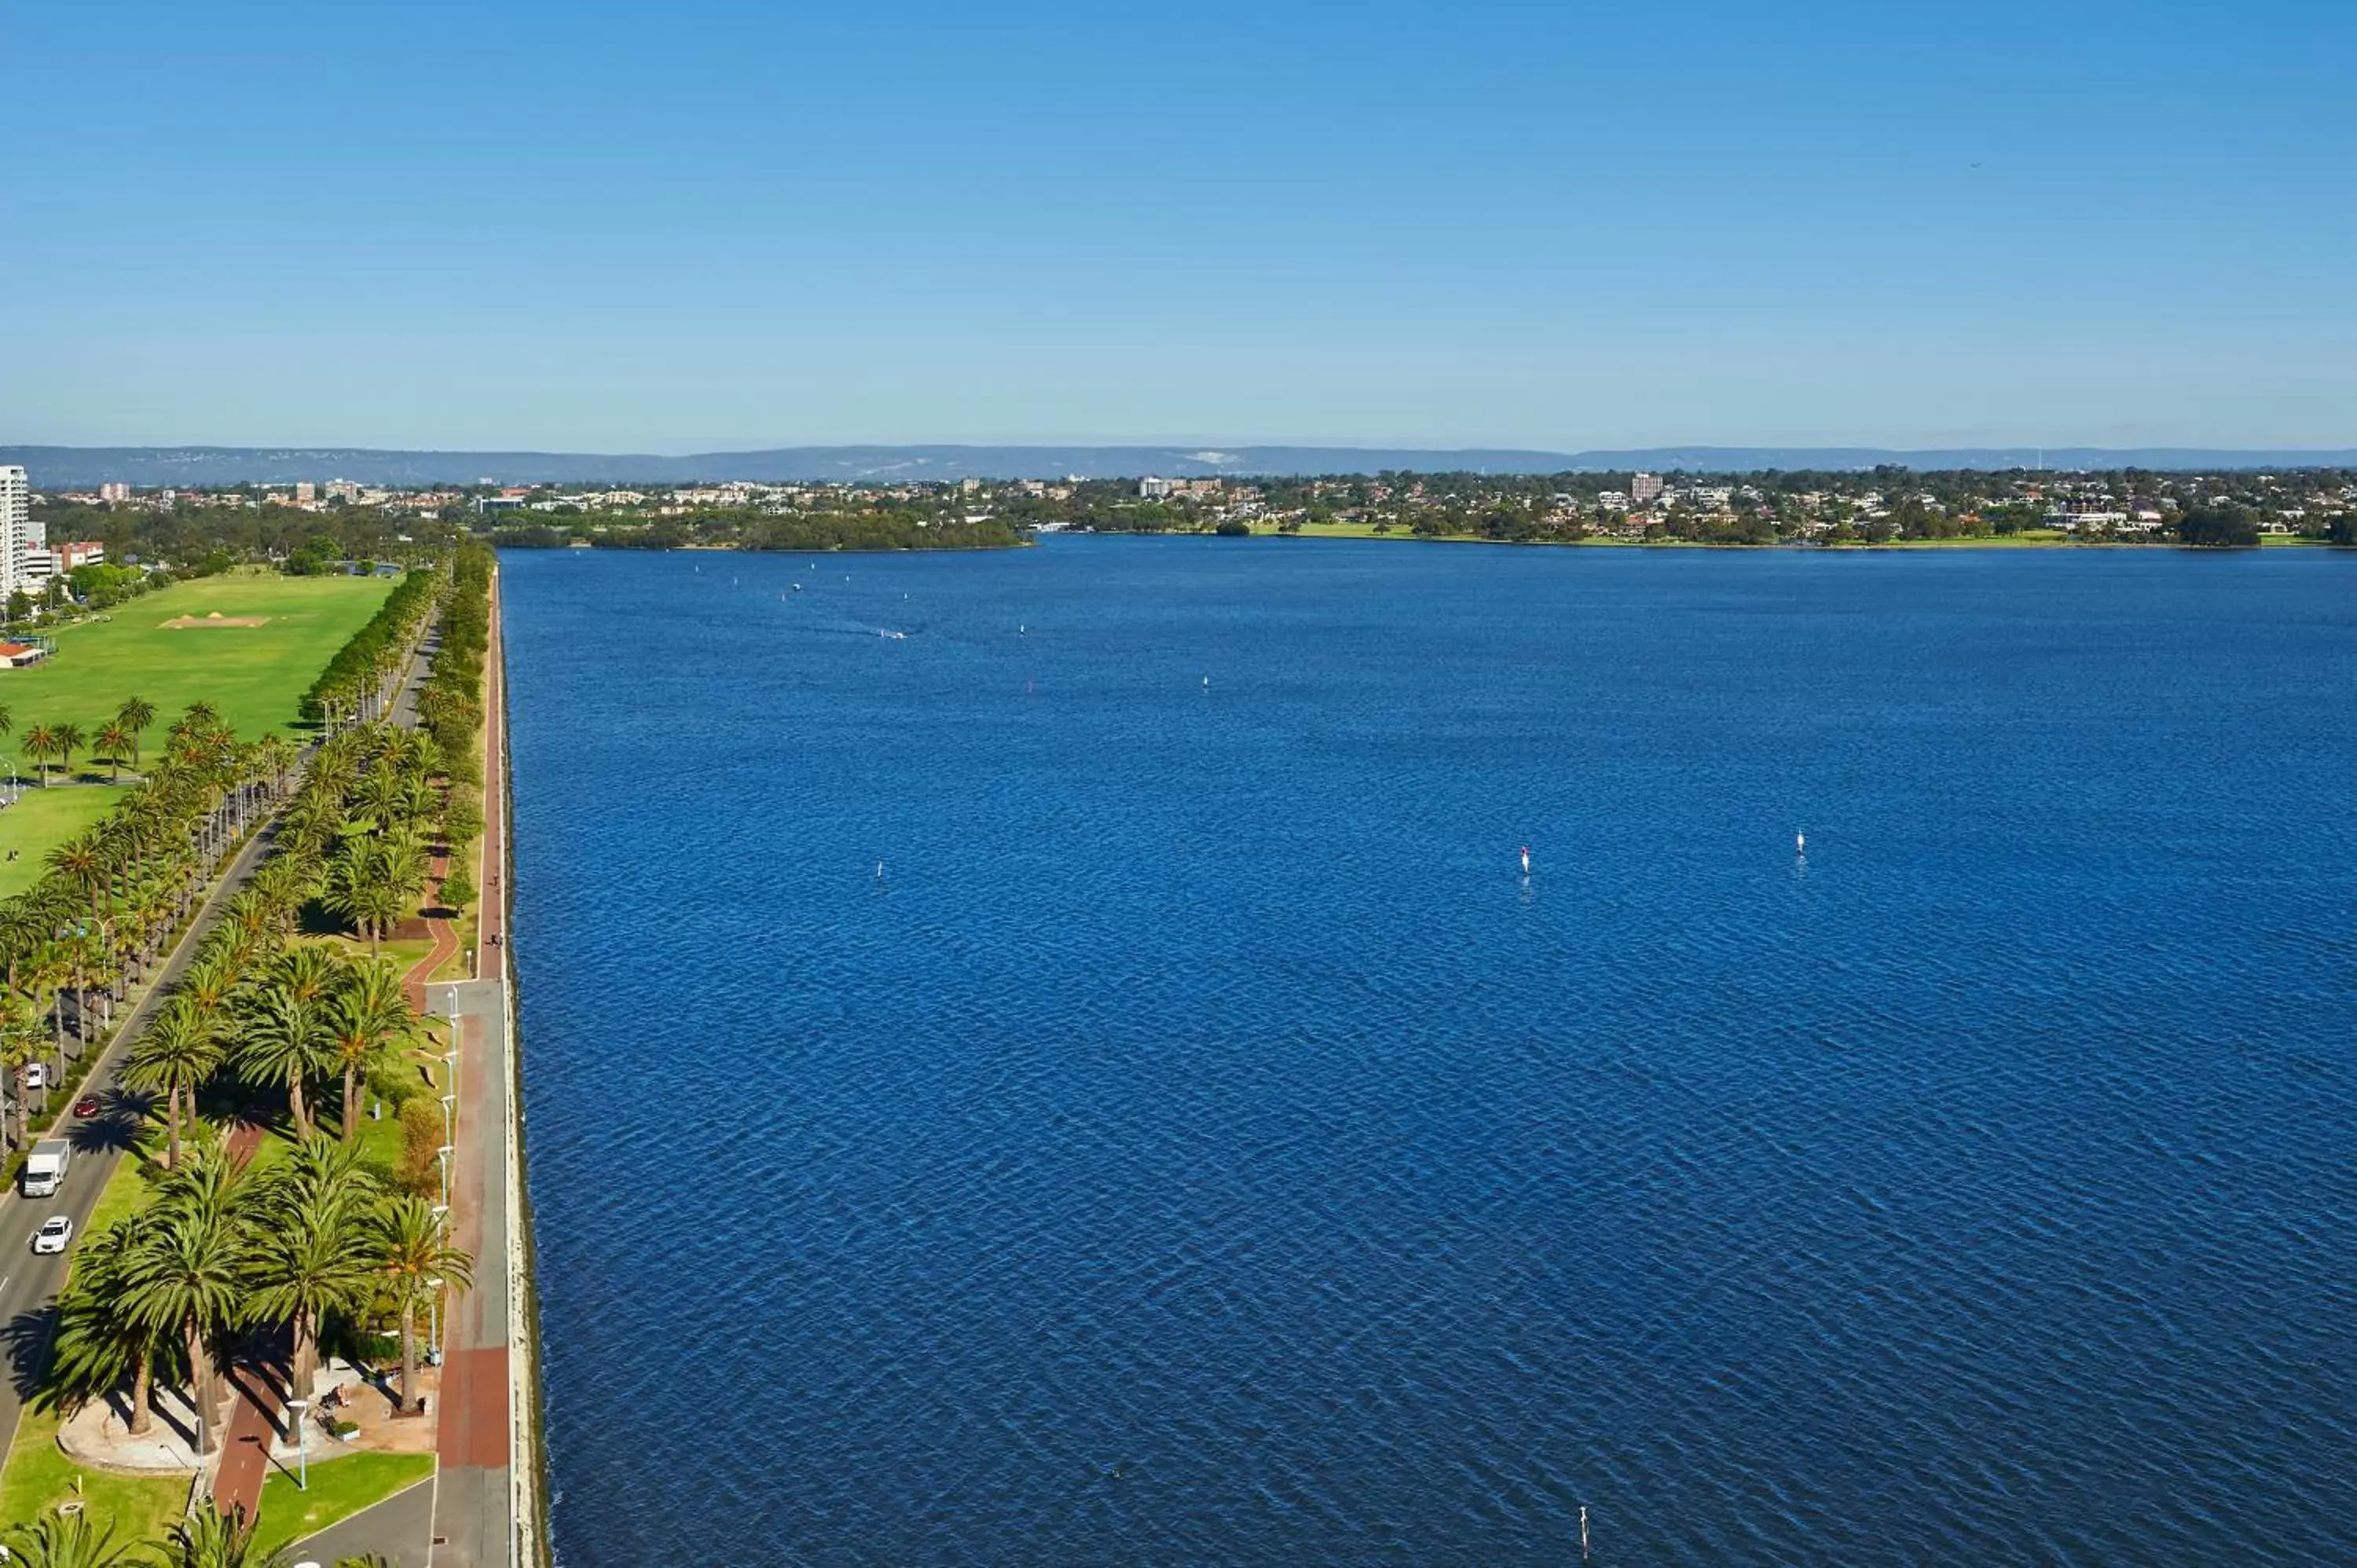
434 1321
448 1101
297 1409
444 1153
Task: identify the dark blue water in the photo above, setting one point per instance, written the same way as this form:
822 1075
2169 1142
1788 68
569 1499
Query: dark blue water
1203 1147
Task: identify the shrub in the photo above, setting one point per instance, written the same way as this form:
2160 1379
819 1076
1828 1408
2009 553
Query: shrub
418 1169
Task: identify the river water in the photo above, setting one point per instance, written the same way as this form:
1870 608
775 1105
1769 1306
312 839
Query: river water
1085 1081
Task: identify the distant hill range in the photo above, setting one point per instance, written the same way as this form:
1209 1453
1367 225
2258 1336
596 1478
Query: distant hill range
76 467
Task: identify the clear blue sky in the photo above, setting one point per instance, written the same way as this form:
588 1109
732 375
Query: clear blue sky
561 223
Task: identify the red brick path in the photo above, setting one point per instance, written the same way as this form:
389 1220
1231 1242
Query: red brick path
252 1427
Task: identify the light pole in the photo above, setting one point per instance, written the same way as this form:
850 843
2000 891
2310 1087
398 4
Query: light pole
448 1101
444 1153
434 1320
297 1409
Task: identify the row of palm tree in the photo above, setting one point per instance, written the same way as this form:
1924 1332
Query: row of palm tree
204 1540
173 1290
360 683
117 739
113 896
292 1017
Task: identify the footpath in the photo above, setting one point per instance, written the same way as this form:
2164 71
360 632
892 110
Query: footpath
244 1462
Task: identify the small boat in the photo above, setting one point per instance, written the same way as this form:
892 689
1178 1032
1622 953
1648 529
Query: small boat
798 587
1526 860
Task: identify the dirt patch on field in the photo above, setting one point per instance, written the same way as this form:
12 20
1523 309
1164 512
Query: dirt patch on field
182 623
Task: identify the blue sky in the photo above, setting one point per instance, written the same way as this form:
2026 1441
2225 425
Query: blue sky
682 226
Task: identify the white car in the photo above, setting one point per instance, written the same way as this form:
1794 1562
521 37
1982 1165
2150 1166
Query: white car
37 1075
53 1235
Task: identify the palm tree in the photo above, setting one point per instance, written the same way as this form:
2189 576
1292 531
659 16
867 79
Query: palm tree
210 1539
185 1280
312 1255
115 740
53 970
40 743
364 887
68 740
284 1039
310 972
419 802
69 1540
180 1051
418 1263
366 1021
80 861
379 796
251 916
134 715
20 1047
207 984
100 1339
278 758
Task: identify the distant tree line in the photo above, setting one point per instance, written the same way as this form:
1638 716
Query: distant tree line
196 541
896 529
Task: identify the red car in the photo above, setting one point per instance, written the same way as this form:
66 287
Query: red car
86 1106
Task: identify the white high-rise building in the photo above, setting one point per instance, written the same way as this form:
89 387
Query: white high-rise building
24 543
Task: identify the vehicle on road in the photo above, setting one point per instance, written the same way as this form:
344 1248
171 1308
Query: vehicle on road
53 1235
37 1075
86 1106
45 1167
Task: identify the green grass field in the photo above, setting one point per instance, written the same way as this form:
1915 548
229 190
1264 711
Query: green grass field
39 1476
39 819
254 674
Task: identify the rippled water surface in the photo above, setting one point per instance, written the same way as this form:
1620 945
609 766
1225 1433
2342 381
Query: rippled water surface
1201 1145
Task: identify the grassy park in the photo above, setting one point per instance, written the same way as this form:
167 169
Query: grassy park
39 819
253 673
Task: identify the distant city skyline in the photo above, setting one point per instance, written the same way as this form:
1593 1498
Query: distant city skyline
710 227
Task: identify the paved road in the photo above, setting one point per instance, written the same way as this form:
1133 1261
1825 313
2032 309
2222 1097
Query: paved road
29 1285
398 1530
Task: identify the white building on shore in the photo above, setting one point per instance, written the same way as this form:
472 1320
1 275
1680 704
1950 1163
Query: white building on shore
24 563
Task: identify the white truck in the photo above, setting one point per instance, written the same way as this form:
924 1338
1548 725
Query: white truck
45 1167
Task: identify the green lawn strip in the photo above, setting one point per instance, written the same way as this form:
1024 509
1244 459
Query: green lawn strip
39 1476
40 821
340 1487
132 1187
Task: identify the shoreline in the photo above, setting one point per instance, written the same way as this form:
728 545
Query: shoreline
528 1458
1804 546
